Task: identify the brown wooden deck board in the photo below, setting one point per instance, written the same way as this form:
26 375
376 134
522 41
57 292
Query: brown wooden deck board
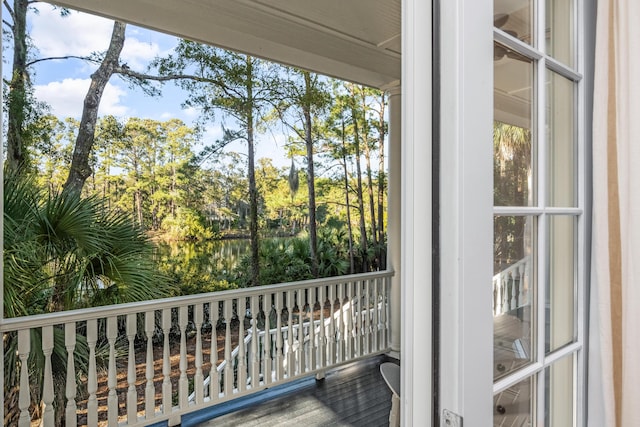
353 395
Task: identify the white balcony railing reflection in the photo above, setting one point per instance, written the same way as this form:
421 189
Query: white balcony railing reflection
143 363
511 287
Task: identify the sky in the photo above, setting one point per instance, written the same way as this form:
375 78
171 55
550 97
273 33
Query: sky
63 83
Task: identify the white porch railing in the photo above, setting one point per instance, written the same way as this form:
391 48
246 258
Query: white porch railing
142 363
511 287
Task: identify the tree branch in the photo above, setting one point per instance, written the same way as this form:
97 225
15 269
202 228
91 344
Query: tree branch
83 58
126 71
9 9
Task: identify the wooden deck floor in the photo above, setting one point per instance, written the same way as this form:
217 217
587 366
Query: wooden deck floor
353 395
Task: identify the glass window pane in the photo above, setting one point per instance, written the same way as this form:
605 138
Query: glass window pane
513 407
559 30
513 293
560 304
559 396
561 156
515 17
513 147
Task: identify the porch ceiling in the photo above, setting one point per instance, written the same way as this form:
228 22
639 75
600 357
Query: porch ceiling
355 40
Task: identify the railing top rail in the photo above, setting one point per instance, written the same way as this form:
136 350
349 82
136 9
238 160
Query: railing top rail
27 322
512 267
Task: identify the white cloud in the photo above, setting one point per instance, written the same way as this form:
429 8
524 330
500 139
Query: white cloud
67 97
76 34
80 34
138 54
191 112
212 134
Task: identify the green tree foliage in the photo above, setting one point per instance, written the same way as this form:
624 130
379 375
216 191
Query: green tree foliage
511 178
63 252
241 87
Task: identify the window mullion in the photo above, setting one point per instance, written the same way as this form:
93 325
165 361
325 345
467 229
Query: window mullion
541 107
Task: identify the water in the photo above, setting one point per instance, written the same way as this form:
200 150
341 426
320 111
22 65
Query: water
196 267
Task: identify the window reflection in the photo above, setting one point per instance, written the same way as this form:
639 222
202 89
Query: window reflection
513 145
513 291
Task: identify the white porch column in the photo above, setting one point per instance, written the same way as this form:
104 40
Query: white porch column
394 189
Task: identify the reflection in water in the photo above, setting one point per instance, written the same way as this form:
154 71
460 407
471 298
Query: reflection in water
196 267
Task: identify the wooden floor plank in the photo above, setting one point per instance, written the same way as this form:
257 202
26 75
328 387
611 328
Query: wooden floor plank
353 395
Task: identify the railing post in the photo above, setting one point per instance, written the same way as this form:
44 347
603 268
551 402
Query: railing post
24 399
300 336
47 388
214 379
255 356
92 380
149 395
241 366
132 395
279 342
112 399
291 364
267 370
198 379
70 344
183 382
312 329
166 362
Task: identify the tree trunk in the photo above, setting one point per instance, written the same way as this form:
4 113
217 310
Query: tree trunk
253 189
80 169
313 233
17 99
363 228
352 269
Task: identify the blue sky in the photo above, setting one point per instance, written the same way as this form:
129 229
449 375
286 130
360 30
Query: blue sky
63 83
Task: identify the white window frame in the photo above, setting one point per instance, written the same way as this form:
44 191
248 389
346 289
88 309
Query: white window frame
542 211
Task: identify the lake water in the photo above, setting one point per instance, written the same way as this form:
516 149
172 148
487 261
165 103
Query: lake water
200 266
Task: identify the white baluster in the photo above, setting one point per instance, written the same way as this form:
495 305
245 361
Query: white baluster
376 317
255 356
228 368
149 390
521 272
514 290
322 339
496 287
198 379
279 342
242 354
267 371
70 391
357 311
291 364
166 362
214 379
300 338
312 347
345 323
92 377
331 344
48 417
24 398
364 316
528 275
132 395
183 382
112 399
342 335
505 294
